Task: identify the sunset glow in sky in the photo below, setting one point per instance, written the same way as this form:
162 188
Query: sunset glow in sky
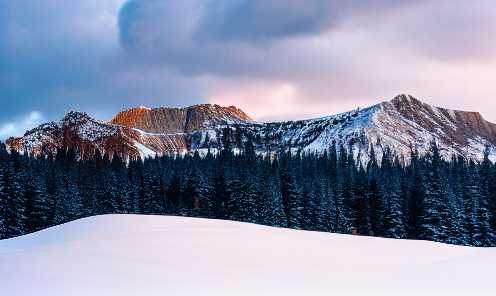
273 59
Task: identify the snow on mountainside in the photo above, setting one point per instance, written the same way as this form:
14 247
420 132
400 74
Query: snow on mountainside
137 132
399 125
161 255
78 131
406 122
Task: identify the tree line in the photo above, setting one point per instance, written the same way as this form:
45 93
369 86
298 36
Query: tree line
429 198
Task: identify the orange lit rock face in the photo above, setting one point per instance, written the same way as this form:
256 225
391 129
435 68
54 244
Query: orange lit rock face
178 120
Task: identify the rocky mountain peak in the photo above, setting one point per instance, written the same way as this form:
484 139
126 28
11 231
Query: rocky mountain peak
178 120
452 126
75 117
408 106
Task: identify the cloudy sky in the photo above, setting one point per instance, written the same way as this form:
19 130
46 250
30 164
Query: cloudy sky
273 59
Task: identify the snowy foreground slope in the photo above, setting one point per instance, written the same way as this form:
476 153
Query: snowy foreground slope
160 255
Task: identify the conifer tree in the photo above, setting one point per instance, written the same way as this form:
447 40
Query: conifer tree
272 211
196 196
376 213
290 193
488 197
245 200
415 195
360 202
12 205
345 216
434 218
396 195
173 195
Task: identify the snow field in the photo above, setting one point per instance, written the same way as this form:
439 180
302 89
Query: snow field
163 255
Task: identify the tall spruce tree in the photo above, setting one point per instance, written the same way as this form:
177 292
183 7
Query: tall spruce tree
290 193
12 205
416 197
435 222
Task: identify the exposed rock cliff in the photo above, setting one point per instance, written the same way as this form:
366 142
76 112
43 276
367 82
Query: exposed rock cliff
452 126
179 120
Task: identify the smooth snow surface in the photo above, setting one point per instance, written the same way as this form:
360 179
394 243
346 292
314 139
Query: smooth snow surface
144 151
160 255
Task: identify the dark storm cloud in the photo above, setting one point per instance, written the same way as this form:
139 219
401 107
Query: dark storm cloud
58 55
266 57
46 56
228 37
245 37
332 55
254 20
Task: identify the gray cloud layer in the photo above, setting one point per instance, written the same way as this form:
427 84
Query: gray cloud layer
267 57
229 37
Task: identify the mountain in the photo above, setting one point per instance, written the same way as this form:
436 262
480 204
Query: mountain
395 127
163 255
78 131
400 126
178 120
132 133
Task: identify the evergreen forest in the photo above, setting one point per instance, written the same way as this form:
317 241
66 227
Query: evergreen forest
429 198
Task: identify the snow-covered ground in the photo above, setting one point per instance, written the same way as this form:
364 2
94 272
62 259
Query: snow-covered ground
160 255
144 151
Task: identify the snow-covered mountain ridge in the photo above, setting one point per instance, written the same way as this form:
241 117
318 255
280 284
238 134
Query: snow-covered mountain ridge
399 126
79 131
132 133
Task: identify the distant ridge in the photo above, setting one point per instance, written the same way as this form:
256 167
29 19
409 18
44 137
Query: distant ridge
396 128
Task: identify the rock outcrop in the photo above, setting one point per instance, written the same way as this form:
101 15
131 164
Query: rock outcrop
456 126
179 120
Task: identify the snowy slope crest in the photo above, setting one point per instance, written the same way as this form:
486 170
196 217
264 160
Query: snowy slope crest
160 255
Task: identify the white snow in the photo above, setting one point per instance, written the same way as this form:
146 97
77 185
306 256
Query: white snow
204 151
160 255
144 151
158 134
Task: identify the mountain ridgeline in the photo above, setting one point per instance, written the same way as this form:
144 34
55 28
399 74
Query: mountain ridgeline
399 126
399 169
176 120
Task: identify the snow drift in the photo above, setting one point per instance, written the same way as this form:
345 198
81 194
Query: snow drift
161 255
